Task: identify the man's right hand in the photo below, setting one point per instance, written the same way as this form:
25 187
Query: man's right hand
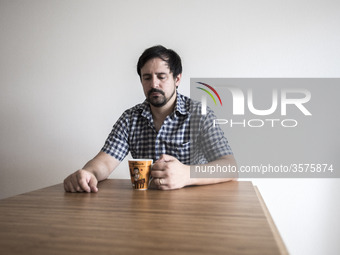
81 181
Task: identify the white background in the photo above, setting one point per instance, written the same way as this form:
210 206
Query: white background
67 72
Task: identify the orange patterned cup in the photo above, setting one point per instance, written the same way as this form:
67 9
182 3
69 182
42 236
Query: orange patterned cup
140 170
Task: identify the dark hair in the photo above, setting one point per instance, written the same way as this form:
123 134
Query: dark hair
169 56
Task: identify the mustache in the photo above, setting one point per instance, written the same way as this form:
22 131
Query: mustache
155 90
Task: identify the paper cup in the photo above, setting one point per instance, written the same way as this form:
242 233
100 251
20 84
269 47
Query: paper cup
140 170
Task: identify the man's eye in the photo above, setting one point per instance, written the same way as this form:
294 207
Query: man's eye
161 77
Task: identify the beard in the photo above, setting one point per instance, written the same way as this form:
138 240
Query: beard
159 100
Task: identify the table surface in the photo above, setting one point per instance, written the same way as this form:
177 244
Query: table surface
225 218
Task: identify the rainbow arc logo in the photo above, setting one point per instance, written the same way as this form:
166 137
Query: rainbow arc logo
209 93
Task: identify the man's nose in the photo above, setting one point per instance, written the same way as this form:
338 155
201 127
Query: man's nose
154 82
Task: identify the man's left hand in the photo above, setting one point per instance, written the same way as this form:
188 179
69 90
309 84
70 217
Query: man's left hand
169 173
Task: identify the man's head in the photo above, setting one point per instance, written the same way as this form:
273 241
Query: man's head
160 72
172 59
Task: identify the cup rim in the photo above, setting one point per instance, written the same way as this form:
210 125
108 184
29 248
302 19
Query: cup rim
140 159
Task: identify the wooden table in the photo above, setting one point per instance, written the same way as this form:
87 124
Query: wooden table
225 218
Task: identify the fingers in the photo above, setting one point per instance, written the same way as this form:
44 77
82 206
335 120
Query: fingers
81 181
158 173
93 184
160 165
163 184
68 184
160 183
82 184
165 157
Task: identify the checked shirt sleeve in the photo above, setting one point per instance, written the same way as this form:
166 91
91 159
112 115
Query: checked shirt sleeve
116 144
212 139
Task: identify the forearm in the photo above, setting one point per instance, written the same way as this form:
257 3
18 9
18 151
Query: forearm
228 160
98 169
101 166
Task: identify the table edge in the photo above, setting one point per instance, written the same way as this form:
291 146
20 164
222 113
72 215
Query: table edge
275 231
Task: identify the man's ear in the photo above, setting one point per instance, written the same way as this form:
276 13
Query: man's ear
178 79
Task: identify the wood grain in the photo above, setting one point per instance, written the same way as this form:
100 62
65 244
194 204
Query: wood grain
224 218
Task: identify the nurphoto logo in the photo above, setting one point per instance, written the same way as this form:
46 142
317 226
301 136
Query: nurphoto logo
243 102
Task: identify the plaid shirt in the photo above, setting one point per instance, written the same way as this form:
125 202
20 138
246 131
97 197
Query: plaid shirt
185 134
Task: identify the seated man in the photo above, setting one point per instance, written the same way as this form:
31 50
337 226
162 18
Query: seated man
167 127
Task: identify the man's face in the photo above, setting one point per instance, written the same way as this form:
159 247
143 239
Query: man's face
158 83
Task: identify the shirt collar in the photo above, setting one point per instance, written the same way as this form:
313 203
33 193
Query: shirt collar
181 105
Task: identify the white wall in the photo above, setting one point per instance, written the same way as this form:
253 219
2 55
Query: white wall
67 71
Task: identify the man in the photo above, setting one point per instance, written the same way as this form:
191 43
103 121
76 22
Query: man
166 127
